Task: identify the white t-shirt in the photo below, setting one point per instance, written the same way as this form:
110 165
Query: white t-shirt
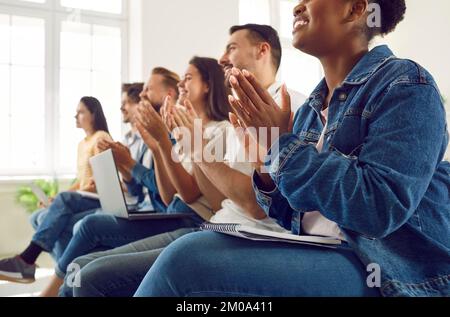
231 212
297 99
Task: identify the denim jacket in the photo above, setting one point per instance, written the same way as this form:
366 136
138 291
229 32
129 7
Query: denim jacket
137 188
143 176
381 175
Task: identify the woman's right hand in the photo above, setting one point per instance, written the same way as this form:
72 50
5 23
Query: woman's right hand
103 145
167 112
50 201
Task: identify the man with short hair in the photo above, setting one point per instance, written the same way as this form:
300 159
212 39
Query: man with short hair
257 49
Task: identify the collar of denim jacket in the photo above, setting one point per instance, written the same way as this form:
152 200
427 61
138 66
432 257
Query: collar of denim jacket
361 73
369 65
318 96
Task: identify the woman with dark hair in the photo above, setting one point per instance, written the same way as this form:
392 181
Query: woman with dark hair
91 119
217 97
203 87
363 163
95 108
68 206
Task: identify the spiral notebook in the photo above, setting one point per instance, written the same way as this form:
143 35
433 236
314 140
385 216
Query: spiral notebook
256 234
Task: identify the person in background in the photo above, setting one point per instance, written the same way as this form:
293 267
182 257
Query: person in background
135 193
130 100
91 119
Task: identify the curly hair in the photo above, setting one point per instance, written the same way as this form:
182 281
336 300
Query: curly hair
392 13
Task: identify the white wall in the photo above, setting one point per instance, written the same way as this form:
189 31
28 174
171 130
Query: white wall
173 31
135 41
424 36
168 33
15 229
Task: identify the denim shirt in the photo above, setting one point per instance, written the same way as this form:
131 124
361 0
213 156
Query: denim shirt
137 188
381 176
143 176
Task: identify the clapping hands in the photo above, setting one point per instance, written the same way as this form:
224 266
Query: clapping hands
255 108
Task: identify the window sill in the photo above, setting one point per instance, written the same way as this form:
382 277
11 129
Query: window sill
10 184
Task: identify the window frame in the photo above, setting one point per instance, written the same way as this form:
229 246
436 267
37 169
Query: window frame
53 14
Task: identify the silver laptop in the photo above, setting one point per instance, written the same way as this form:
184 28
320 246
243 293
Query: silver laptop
112 198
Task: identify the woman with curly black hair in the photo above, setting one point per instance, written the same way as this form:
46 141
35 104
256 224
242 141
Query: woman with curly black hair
363 164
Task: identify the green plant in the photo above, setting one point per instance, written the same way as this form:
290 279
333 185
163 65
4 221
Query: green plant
28 200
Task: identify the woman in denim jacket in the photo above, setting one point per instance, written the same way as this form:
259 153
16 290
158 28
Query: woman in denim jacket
364 163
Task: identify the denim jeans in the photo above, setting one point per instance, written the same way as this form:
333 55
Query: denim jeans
118 272
58 222
208 264
61 244
104 232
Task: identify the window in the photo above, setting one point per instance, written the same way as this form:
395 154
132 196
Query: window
108 6
298 70
53 53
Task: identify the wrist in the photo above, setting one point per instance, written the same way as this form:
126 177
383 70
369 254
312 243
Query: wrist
163 142
128 166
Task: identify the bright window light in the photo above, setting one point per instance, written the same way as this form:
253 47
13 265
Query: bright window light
39 97
90 66
106 6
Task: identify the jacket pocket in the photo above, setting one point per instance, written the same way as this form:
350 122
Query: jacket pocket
350 134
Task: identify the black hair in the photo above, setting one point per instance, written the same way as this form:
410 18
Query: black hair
95 108
263 33
392 13
133 91
218 107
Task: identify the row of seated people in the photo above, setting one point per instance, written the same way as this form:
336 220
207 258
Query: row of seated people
361 161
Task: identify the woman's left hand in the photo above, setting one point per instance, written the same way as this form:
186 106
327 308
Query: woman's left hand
256 109
186 122
90 186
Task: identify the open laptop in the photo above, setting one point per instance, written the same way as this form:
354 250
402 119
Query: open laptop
112 198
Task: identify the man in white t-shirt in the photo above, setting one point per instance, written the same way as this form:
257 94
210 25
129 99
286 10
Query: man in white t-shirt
256 48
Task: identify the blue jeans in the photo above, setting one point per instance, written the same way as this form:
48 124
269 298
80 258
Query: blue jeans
118 272
208 264
100 232
61 244
59 219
